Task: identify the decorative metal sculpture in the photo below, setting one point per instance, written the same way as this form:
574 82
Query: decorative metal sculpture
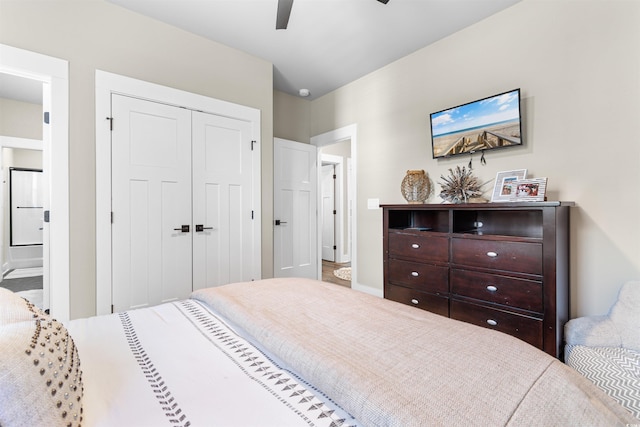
461 186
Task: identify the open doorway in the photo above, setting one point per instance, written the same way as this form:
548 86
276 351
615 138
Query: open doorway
22 189
334 213
51 77
336 206
22 223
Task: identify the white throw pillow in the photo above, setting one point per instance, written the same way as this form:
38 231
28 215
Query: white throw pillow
40 376
625 315
14 308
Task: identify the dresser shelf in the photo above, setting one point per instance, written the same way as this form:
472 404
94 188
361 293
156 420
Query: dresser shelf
503 266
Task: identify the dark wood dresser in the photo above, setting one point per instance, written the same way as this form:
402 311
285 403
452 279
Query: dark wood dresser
504 266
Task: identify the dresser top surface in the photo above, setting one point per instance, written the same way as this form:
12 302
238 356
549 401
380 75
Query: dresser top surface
476 206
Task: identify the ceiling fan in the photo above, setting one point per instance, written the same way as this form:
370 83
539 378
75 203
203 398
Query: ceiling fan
284 10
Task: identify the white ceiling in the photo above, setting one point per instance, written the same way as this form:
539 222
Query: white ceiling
328 43
20 89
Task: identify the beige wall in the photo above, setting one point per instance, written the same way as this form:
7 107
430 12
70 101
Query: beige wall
20 119
292 121
94 34
578 65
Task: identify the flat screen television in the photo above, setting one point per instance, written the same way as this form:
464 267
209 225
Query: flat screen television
485 124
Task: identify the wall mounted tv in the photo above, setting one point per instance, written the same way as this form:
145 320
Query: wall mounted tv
482 125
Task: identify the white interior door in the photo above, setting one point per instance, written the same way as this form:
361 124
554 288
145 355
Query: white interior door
222 200
151 203
328 212
295 251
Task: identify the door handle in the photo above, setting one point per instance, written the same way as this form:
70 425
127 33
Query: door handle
200 227
278 222
183 229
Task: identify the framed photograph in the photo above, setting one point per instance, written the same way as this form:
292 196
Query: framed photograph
502 191
529 190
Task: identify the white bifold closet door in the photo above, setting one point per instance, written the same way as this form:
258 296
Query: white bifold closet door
181 197
222 195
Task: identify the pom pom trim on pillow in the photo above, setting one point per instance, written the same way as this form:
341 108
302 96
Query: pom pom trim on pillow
40 375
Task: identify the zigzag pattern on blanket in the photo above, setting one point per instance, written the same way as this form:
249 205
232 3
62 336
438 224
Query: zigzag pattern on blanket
390 364
610 368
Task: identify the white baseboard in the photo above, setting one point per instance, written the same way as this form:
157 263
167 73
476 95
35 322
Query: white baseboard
26 263
368 290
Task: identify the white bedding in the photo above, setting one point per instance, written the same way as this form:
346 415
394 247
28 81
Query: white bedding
389 364
178 364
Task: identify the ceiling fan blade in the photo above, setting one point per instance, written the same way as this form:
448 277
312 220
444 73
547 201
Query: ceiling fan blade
384 1
284 10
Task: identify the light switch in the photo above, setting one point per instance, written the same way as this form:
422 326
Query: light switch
373 203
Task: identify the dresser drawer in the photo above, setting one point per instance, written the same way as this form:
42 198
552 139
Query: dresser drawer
426 277
521 257
419 248
520 293
412 297
526 328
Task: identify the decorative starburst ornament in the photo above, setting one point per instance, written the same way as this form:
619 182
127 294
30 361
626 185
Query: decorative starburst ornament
460 186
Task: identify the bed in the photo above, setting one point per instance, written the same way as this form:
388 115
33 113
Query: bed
282 352
606 348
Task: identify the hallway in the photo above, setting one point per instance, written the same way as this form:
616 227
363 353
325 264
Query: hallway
328 268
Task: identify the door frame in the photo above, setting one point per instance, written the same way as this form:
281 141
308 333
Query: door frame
323 222
349 132
108 83
342 254
54 74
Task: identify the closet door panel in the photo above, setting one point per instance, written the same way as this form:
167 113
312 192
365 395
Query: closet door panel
151 201
221 161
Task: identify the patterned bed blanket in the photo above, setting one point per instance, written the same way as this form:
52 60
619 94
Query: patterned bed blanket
178 364
615 370
392 365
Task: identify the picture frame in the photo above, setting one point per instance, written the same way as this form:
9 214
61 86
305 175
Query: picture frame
502 188
529 190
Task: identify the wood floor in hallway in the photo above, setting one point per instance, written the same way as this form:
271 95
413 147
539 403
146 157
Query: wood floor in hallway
327 273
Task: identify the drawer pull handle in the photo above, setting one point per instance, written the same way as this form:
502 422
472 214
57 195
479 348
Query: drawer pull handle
492 288
492 254
415 246
415 274
492 322
414 301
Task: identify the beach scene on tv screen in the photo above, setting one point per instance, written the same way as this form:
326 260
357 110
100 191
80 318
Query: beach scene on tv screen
481 125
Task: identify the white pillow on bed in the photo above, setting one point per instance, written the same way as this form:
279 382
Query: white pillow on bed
14 308
625 314
40 376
